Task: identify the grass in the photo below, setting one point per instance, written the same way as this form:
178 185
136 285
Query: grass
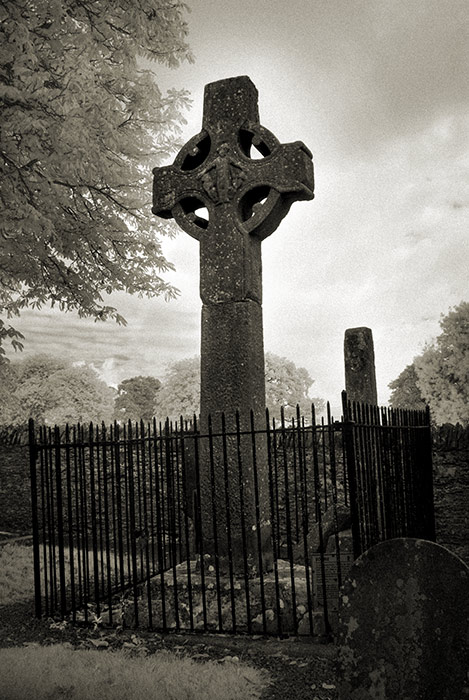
16 573
60 672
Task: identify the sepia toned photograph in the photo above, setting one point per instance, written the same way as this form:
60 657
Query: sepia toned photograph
234 350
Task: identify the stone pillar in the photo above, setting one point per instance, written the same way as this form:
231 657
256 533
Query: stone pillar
232 379
245 198
360 375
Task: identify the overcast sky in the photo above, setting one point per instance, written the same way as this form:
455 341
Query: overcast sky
379 92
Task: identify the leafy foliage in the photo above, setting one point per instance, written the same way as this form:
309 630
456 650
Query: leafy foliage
135 398
10 406
286 385
52 391
14 336
405 392
440 375
443 369
180 391
82 124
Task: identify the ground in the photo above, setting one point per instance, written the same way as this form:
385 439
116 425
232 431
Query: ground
299 669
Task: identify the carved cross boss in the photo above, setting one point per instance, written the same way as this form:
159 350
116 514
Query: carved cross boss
245 181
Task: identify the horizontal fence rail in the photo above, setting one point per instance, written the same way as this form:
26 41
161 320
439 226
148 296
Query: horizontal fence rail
226 530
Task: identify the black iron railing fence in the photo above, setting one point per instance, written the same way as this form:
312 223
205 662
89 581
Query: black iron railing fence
389 463
126 530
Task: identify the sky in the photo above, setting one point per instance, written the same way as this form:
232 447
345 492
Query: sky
378 91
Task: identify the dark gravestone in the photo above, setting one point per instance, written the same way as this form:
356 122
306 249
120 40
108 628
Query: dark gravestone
360 374
404 624
244 198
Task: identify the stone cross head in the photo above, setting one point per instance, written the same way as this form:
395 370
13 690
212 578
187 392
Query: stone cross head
230 186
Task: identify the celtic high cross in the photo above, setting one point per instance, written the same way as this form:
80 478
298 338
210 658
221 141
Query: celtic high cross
245 198
245 181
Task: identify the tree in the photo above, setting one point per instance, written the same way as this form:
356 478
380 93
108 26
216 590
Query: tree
21 377
180 391
9 405
53 391
405 392
286 385
83 121
443 369
136 398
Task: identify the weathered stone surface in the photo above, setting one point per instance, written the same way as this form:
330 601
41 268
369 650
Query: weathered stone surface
404 624
360 374
334 520
234 353
245 199
225 606
232 349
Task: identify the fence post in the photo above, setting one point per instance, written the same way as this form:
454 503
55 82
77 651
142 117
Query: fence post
429 517
348 437
33 452
60 522
132 524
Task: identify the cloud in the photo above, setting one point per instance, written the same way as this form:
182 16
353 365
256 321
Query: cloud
156 334
364 73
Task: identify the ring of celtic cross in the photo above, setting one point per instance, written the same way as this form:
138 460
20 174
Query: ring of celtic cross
234 171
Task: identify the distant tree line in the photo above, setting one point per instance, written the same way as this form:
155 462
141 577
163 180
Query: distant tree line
286 385
53 391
